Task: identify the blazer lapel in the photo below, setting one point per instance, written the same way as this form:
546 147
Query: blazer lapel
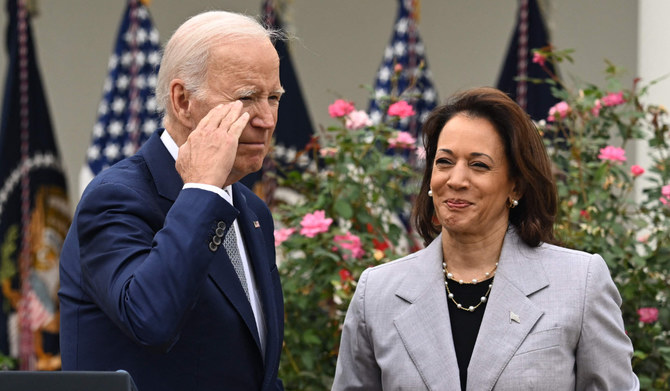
510 315
255 244
424 327
222 273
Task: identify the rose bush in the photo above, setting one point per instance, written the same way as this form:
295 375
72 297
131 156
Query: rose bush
589 134
345 216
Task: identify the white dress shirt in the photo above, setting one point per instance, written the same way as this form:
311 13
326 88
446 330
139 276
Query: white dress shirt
227 194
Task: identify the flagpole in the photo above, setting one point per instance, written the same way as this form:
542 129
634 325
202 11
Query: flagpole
27 358
522 56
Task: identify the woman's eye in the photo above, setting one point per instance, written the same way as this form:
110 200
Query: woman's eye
442 161
480 165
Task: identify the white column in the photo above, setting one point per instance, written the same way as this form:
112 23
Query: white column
653 62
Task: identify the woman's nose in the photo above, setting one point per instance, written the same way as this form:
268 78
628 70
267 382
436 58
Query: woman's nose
458 177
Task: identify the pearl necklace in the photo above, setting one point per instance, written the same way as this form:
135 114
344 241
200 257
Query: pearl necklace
448 276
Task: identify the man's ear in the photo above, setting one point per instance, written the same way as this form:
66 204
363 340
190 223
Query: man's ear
180 102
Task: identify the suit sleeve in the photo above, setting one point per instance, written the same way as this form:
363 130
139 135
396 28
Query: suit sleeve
357 368
144 269
604 351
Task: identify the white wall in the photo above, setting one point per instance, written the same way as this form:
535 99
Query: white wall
341 45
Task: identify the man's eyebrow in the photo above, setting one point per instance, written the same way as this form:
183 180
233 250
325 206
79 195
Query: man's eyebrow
251 92
246 93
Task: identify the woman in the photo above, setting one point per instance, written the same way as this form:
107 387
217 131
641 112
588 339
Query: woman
489 304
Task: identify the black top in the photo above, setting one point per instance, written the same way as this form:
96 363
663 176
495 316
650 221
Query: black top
465 324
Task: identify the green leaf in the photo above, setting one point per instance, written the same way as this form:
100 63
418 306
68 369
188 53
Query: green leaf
343 209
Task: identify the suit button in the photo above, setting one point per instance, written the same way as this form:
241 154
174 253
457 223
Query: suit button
220 232
216 240
213 247
221 224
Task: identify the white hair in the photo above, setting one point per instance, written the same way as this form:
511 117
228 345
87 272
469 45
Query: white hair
186 54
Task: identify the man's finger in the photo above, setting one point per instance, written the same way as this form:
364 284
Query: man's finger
232 115
213 118
237 127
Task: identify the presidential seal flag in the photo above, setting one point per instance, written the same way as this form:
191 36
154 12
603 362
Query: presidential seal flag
529 33
34 209
127 114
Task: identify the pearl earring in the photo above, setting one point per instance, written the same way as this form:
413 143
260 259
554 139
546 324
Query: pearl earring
514 203
430 193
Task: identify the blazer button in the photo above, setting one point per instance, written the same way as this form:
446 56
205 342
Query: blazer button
220 232
216 240
213 247
221 224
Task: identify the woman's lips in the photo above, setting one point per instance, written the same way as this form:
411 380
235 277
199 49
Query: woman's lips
457 204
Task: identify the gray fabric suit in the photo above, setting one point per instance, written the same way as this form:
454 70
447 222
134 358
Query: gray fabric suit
569 334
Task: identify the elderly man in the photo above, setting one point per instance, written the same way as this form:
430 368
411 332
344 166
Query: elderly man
168 271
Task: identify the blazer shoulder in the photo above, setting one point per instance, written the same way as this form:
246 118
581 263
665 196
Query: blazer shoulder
565 254
396 266
413 270
557 260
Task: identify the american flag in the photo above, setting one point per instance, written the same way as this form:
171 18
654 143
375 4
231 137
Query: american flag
404 72
127 114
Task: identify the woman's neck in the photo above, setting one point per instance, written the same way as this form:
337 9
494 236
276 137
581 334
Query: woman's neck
468 257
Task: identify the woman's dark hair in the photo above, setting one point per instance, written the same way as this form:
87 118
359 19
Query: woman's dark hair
529 164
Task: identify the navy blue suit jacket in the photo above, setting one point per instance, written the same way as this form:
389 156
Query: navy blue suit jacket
142 291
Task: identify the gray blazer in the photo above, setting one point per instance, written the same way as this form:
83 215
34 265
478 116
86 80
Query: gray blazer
552 322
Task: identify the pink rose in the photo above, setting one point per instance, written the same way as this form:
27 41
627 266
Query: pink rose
401 109
613 154
538 58
402 140
340 108
597 105
282 234
613 99
357 119
648 314
636 170
315 223
397 68
561 108
327 151
665 193
350 242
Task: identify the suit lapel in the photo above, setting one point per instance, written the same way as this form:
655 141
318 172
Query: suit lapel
161 166
424 327
510 315
255 244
